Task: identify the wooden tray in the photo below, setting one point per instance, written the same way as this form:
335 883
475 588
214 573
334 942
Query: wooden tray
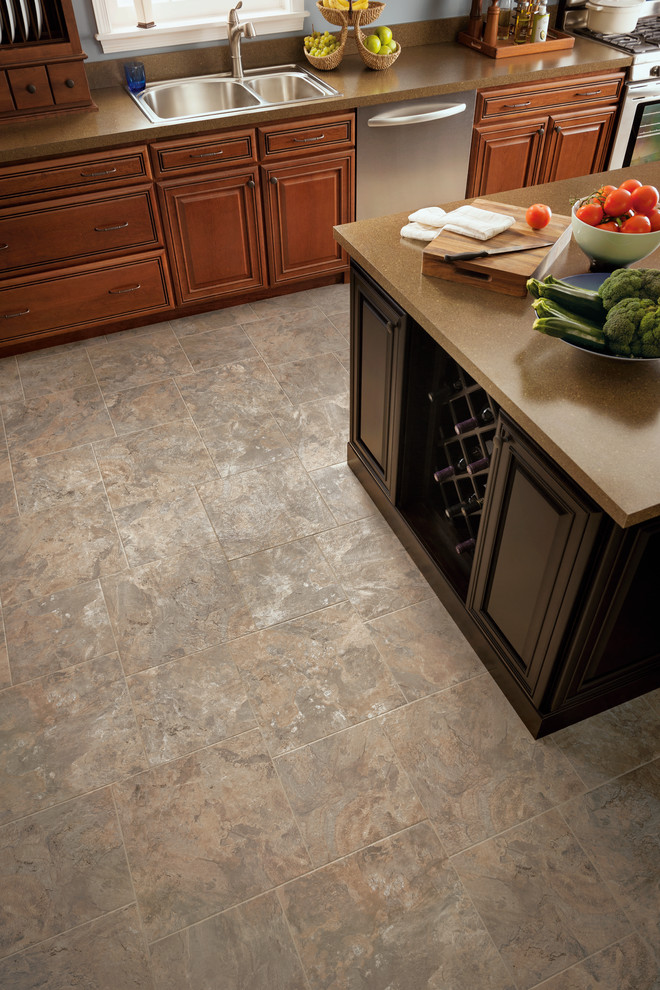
507 49
506 273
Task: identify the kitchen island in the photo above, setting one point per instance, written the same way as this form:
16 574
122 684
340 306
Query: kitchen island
556 593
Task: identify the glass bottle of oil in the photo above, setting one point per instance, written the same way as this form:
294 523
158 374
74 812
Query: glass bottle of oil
522 29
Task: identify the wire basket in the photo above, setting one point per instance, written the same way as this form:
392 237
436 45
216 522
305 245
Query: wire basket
371 60
352 17
327 62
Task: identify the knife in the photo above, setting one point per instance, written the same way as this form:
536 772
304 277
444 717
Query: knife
487 252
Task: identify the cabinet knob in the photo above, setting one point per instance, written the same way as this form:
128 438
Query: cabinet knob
273 180
251 183
558 129
31 88
69 83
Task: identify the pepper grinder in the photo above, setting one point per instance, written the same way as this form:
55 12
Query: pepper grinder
475 24
492 24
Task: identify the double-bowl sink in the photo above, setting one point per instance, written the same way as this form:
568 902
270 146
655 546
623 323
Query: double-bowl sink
218 95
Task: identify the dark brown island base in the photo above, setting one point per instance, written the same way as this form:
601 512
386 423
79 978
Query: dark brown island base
538 522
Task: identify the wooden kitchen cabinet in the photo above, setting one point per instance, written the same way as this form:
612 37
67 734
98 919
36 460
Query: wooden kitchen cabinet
528 134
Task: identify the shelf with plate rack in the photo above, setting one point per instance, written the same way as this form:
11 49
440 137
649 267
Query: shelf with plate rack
41 60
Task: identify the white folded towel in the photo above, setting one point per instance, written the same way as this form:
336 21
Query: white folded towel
473 222
419 232
430 216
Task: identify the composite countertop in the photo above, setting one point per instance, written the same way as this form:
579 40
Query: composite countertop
598 418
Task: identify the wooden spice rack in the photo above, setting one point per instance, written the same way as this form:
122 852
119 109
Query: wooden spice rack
508 49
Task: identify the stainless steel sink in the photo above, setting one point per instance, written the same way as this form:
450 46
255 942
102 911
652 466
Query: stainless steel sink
219 95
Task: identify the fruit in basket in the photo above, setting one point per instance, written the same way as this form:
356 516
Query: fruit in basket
384 33
345 5
372 44
319 45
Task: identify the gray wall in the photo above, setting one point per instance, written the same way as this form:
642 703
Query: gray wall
398 12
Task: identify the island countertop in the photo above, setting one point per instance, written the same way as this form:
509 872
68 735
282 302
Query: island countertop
598 419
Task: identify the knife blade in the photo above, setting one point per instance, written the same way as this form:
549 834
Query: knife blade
487 252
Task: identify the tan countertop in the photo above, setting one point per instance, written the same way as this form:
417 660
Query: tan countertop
420 71
598 418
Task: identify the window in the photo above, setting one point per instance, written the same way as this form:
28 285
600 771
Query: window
181 22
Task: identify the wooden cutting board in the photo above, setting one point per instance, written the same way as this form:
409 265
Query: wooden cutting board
507 273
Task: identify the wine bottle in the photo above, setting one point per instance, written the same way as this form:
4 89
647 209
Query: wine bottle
479 465
472 504
465 546
485 416
444 393
442 474
452 511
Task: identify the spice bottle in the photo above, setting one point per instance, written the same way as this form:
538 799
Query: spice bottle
504 26
521 33
540 23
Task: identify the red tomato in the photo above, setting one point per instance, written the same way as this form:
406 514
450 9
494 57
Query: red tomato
608 225
591 213
654 217
639 224
604 192
630 184
538 215
644 199
617 202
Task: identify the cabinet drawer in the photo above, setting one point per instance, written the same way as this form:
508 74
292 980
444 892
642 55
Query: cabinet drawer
203 154
68 83
585 90
305 137
30 87
91 294
66 231
6 102
71 175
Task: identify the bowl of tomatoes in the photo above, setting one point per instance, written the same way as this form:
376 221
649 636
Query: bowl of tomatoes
617 225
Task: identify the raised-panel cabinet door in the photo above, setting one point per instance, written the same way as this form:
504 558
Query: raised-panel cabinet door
537 535
505 156
303 202
216 235
577 144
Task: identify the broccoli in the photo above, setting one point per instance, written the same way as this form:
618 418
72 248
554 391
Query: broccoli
627 283
625 333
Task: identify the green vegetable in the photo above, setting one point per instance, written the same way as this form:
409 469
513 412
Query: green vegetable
623 325
557 321
630 283
649 331
585 302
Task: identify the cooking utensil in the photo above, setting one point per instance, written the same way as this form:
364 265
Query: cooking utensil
9 11
487 252
614 16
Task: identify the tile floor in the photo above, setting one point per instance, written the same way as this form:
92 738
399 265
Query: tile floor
242 745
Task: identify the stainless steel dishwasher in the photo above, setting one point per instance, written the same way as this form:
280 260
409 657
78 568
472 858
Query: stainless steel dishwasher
413 154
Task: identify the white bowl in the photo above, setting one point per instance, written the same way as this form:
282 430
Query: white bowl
611 247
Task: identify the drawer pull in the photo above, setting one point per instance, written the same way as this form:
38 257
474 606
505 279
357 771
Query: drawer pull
69 83
306 140
10 316
128 288
116 226
208 154
273 180
516 106
95 175
31 88
251 184
4 247
593 92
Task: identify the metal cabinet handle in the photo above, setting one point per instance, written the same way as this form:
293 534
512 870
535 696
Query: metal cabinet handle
208 154
273 180
117 226
69 83
593 92
128 288
10 316
306 140
251 184
558 129
427 111
516 106
541 130
3 247
31 88
94 175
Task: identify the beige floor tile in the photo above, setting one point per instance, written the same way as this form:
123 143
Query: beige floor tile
474 765
541 898
217 319
54 369
174 607
286 582
245 391
144 406
294 336
58 631
318 430
342 492
392 915
57 421
5 676
123 362
216 347
8 503
156 524
59 869
310 677
238 445
275 306
250 945
308 379
51 481
10 381
424 649
348 791
105 954
242 842
628 965
618 825
190 703
65 734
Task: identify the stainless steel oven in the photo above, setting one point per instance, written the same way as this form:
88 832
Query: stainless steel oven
637 137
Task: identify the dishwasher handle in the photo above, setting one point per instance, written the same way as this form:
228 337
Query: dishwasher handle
431 111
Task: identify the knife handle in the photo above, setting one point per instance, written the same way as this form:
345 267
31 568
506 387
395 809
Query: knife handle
466 255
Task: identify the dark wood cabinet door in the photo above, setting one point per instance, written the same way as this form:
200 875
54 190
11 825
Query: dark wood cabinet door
505 156
216 235
577 144
303 201
537 534
378 331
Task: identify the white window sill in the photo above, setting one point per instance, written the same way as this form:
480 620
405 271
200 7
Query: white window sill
186 33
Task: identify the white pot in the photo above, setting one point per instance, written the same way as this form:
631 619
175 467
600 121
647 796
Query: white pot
615 16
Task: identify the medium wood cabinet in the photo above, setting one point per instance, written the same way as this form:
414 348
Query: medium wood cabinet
525 135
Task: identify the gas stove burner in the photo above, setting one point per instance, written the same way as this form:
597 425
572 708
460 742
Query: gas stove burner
643 40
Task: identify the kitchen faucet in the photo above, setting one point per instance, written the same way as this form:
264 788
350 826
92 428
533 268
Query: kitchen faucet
234 32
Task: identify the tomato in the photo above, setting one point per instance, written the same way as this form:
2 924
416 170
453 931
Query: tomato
604 192
630 184
644 199
538 215
608 225
638 224
654 217
617 202
591 213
